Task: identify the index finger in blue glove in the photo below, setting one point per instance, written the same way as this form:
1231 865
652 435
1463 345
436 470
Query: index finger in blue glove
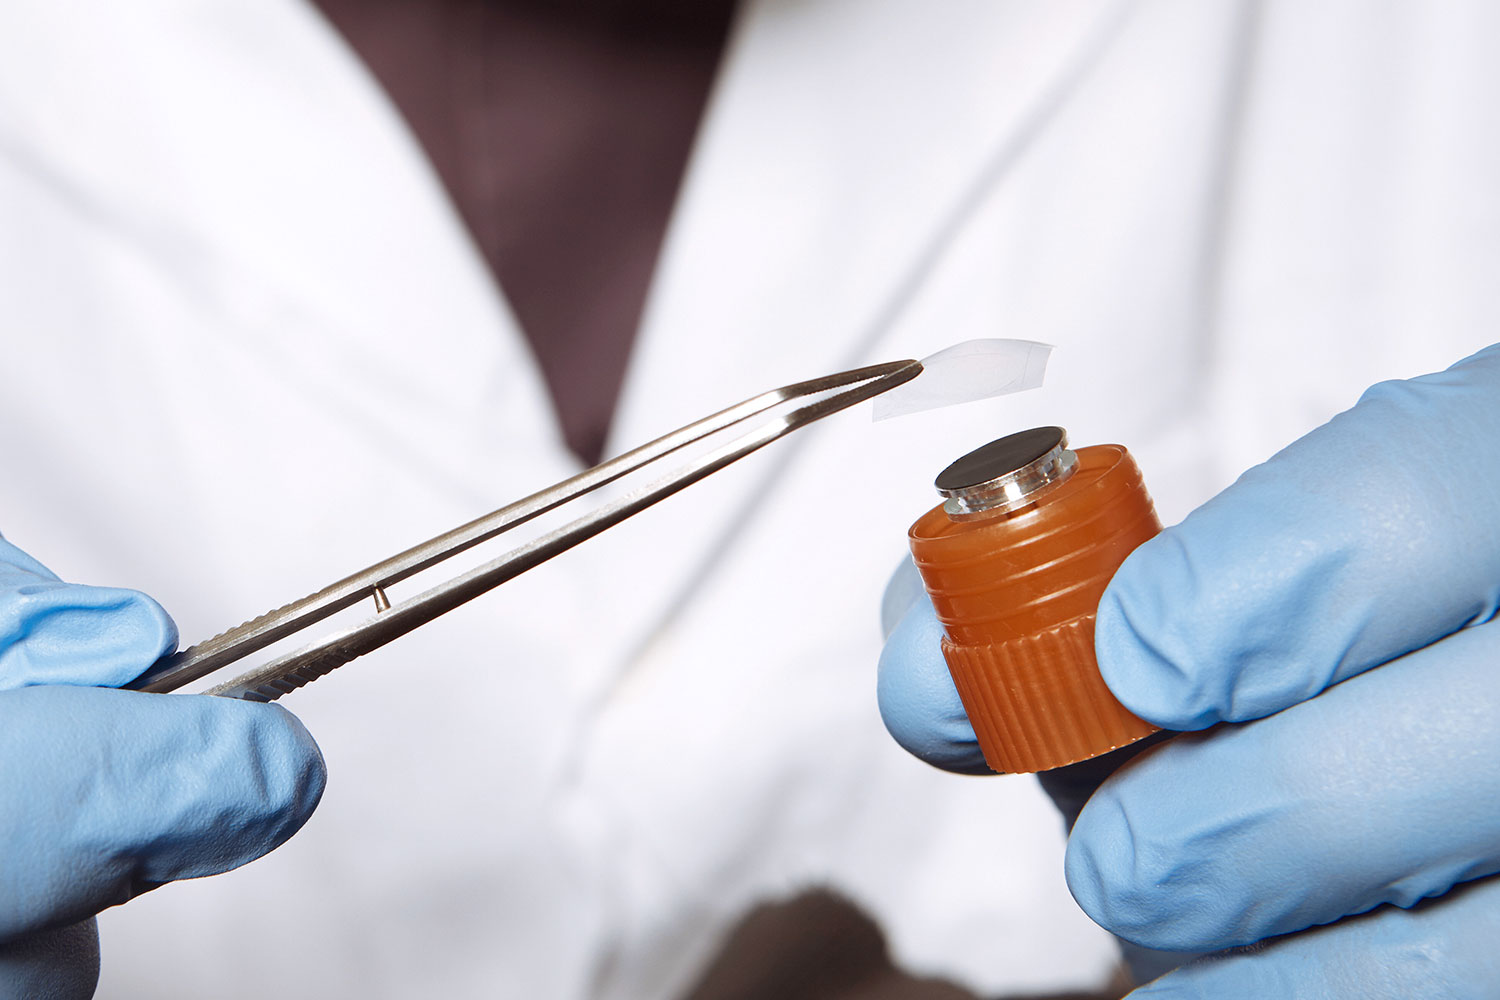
64 633
1368 538
1381 790
110 793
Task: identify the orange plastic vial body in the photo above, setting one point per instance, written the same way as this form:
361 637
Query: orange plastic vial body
1017 594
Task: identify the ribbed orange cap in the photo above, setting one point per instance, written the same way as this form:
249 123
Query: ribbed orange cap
1017 594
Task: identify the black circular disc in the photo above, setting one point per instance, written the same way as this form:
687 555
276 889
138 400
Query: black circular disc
1000 457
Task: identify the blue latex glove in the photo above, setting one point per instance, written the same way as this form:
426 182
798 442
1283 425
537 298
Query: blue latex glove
105 794
1334 607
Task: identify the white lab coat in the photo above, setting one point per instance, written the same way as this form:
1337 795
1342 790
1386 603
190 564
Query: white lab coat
248 348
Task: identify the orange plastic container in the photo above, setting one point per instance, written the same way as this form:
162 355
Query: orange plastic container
1015 563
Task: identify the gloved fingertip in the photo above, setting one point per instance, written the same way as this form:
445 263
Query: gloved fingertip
918 702
247 778
1090 861
117 792
1143 649
1110 872
295 771
62 633
902 591
153 628
1144 874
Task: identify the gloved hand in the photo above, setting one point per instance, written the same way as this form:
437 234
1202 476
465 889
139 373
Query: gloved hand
105 794
1324 626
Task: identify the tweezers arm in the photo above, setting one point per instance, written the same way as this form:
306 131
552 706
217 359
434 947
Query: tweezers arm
201 659
286 674
293 670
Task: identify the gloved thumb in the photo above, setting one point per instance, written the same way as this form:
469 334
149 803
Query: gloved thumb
53 632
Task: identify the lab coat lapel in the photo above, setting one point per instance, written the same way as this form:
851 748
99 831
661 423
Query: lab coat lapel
835 143
256 164
839 134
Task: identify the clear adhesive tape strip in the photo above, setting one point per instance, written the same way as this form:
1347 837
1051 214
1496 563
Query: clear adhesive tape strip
974 369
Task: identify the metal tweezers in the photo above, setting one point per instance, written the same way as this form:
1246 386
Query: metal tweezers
765 418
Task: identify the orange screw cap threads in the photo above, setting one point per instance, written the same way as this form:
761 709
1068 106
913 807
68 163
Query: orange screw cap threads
1015 561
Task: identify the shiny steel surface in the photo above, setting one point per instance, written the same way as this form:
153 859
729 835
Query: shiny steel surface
1007 474
778 412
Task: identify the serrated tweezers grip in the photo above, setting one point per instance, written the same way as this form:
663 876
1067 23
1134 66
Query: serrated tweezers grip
274 680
